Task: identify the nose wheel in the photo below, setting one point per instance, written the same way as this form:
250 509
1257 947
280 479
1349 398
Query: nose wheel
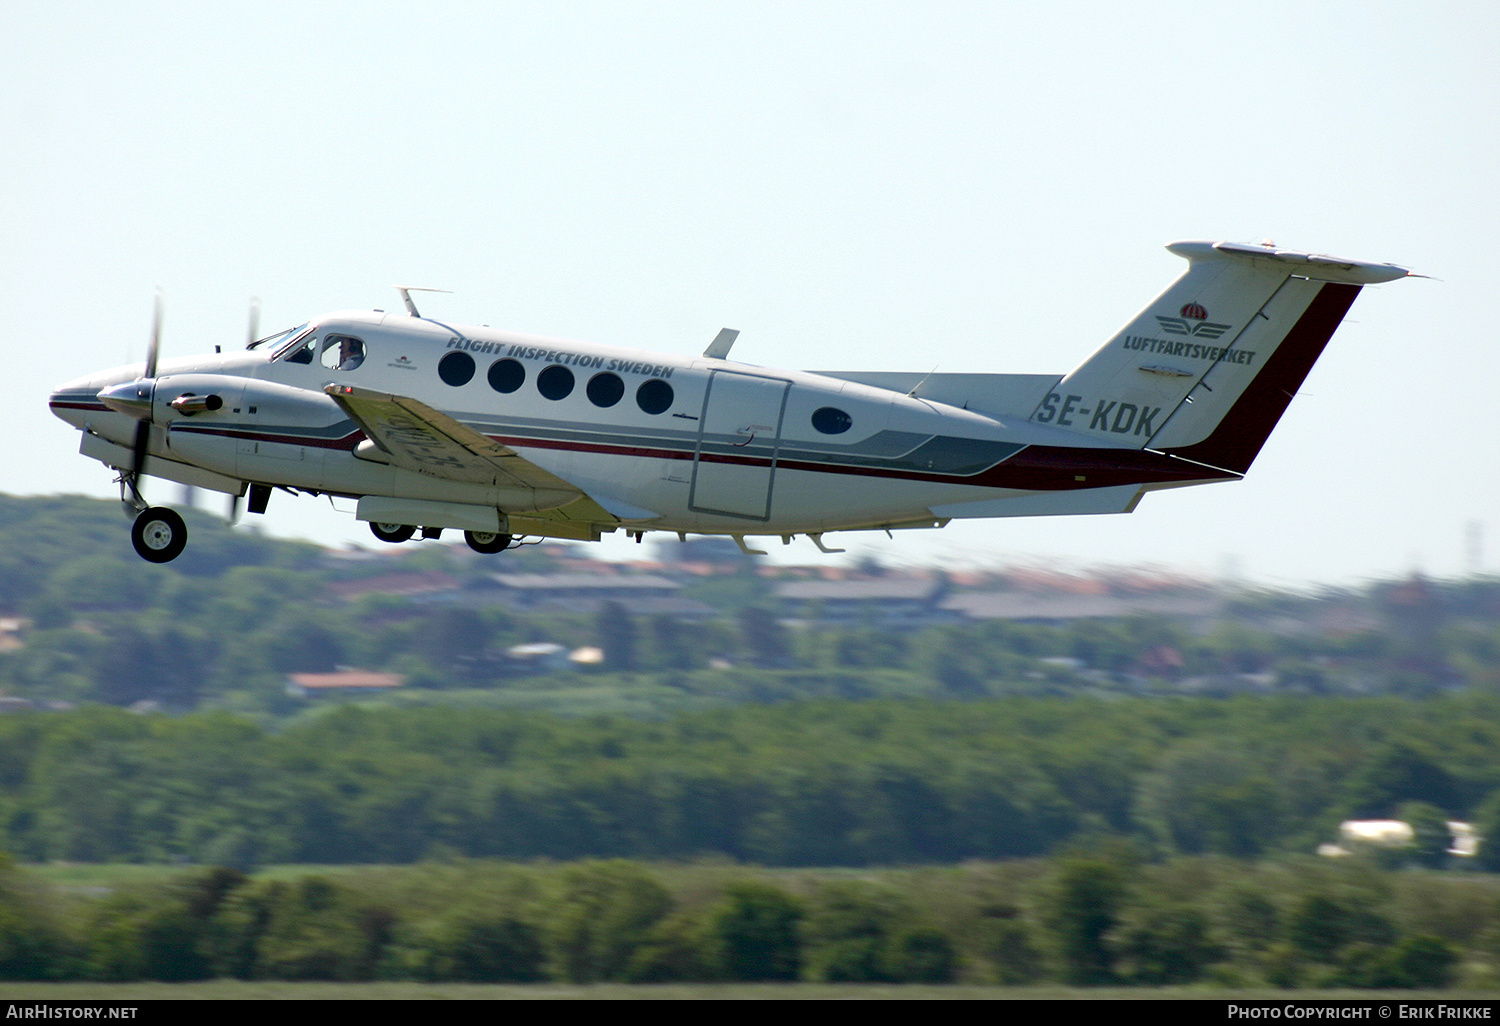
159 535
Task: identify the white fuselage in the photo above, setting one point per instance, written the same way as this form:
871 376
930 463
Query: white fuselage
708 446
502 435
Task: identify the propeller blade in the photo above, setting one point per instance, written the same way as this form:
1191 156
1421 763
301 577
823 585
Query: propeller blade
155 344
254 332
138 465
236 505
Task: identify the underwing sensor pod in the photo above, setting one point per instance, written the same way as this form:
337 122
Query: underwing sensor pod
431 426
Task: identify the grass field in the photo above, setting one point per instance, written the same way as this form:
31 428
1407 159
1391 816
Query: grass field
238 990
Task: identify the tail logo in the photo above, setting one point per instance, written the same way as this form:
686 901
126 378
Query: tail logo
1192 312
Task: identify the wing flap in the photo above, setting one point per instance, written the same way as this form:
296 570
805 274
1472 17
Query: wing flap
414 436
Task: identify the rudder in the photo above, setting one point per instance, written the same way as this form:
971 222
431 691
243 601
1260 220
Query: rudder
1206 370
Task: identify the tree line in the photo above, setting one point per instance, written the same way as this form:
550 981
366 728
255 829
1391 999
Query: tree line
813 783
1102 918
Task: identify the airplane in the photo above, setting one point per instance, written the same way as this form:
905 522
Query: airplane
430 426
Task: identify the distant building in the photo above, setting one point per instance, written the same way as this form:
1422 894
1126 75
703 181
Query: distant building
639 594
11 629
1357 835
412 584
342 682
538 657
706 554
891 601
1029 607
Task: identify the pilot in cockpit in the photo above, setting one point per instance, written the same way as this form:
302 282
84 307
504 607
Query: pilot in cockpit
351 353
343 352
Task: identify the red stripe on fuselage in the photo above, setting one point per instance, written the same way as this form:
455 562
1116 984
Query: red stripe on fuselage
1035 468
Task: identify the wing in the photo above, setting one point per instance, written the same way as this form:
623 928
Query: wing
413 436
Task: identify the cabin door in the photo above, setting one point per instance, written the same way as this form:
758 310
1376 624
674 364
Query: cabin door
739 433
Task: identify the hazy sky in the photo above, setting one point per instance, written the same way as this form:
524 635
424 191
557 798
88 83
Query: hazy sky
980 186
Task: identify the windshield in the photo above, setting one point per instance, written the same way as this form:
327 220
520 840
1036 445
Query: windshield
272 341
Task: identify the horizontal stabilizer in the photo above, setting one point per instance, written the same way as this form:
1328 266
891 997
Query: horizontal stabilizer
1117 499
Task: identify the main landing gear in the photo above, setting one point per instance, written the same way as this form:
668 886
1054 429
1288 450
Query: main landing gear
487 541
159 535
392 532
480 541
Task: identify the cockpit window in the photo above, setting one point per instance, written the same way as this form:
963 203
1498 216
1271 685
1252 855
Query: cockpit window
299 349
342 352
301 353
271 342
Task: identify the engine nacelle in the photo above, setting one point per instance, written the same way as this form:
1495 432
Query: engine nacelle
259 431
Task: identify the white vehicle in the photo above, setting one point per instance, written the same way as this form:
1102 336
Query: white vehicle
504 436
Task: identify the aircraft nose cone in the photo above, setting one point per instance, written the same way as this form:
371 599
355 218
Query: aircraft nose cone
131 397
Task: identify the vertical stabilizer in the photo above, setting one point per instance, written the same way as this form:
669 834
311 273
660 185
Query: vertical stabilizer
1207 369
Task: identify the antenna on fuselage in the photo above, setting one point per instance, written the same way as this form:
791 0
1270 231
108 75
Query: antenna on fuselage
919 384
406 290
718 349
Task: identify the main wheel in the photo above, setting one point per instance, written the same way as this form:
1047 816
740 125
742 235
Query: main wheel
487 541
392 532
159 535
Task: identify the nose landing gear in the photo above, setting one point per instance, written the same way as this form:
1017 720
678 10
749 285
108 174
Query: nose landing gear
159 535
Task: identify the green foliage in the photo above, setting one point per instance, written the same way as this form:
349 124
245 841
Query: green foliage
1395 773
600 915
756 932
846 934
1322 927
1083 908
1007 944
830 783
306 930
1158 945
617 921
921 955
479 946
857 933
1424 962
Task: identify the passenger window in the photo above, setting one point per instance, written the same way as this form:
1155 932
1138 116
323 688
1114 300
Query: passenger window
507 375
654 396
555 382
456 368
343 352
605 389
831 420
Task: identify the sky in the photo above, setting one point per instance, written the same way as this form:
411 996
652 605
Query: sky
873 185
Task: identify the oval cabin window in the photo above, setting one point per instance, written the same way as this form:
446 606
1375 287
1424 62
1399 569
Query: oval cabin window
456 369
654 396
831 420
555 382
507 375
605 389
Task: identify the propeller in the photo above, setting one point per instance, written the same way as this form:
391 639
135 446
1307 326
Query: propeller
148 380
236 503
254 332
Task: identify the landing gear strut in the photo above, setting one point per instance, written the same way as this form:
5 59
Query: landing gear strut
159 535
